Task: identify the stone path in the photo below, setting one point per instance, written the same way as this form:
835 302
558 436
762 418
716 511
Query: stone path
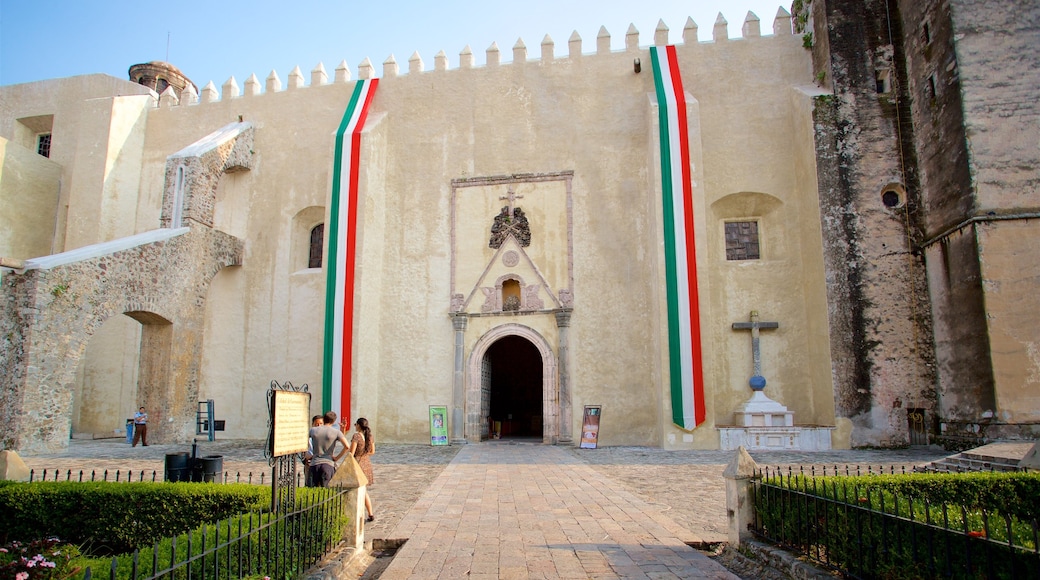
684 488
536 511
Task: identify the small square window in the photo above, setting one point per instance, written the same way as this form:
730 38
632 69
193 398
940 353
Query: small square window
742 241
43 144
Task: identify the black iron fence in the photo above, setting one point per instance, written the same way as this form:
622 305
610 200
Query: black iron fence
130 475
865 533
279 545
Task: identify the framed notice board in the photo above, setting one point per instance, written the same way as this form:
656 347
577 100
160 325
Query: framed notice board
438 425
290 422
590 427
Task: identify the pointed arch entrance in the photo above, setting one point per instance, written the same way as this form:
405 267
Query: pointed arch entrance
501 382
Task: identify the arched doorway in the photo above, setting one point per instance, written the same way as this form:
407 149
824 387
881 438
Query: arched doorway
528 367
514 389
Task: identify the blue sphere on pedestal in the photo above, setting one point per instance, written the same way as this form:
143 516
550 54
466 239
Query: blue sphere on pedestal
757 382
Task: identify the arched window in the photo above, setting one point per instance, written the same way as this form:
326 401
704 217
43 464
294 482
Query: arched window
317 239
511 295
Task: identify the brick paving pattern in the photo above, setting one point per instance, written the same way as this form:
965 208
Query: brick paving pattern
519 509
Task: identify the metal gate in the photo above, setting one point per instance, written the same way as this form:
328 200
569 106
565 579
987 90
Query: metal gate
917 426
485 396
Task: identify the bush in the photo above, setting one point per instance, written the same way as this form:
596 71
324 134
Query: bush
908 526
244 545
111 518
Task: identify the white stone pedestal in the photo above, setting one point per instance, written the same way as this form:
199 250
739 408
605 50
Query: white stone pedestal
763 424
793 438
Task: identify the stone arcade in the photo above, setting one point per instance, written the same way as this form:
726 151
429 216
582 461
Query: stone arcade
511 248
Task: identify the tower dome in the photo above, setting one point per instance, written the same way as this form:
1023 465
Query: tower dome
157 75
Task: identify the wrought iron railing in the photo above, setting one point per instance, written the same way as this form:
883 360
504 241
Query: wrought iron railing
130 475
279 545
865 533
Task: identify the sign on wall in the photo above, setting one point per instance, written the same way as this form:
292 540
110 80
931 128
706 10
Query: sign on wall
438 425
590 427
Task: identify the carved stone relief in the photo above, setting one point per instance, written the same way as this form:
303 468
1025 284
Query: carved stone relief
510 221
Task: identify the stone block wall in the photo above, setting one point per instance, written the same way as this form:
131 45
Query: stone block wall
971 70
49 315
882 357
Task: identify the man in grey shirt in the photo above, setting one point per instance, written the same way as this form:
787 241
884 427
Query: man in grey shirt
323 457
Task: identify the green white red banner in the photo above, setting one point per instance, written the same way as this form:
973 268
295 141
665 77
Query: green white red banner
684 328
341 232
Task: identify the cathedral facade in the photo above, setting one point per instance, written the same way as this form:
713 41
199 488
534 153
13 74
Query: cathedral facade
517 241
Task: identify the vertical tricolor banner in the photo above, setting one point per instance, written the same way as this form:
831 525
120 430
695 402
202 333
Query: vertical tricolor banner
684 328
341 231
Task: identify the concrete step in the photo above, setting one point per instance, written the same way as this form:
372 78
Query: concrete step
966 462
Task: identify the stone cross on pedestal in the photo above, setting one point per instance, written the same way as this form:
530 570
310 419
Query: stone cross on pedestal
757 382
512 197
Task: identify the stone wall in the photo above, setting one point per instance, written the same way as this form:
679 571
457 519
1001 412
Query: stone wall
50 314
971 71
881 354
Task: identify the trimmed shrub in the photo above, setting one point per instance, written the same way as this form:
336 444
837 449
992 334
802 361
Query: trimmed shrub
113 518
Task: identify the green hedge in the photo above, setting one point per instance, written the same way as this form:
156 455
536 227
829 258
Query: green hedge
873 526
289 544
113 518
1016 494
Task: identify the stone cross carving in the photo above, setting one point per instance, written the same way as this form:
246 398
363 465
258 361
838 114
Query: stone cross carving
512 197
757 382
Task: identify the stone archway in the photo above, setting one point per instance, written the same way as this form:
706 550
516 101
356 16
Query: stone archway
476 397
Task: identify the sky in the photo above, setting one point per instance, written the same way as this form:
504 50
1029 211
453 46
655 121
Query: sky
213 40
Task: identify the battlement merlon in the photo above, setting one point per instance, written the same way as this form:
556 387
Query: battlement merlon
750 30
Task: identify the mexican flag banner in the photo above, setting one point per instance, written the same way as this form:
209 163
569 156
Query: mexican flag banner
684 329
341 232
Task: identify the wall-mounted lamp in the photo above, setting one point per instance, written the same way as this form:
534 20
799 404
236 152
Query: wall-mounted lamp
637 65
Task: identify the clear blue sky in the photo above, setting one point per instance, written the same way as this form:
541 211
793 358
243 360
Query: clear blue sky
215 39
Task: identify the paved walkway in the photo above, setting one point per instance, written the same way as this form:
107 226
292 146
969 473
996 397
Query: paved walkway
534 511
552 506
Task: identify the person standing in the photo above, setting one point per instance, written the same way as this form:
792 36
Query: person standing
361 447
323 456
140 427
316 421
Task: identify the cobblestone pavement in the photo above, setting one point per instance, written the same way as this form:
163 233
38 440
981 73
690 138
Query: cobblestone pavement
686 487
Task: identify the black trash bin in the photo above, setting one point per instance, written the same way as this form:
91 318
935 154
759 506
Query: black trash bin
177 467
212 468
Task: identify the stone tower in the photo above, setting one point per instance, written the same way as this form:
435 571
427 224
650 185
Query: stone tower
158 75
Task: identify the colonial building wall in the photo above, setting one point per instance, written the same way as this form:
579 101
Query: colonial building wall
55 310
878 307
971 72
588 113
95 123
29 200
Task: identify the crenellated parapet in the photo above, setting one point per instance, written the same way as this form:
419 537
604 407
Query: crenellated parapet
750 31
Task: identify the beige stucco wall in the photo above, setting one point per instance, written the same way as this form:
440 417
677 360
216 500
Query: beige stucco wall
88 138
29 186
106 170
590 115
1010 258
107 379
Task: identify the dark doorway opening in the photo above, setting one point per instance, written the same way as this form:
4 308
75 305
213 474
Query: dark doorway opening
515 391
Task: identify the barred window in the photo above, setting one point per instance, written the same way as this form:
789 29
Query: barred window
742 241
43 144
317 239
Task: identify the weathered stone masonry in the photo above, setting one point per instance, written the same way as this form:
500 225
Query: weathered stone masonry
50 313
882 358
